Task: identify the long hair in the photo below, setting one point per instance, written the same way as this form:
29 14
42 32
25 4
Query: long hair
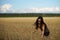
42 22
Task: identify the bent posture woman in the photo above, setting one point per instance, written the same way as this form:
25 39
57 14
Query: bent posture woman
43 27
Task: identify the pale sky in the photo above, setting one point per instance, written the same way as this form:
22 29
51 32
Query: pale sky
29 6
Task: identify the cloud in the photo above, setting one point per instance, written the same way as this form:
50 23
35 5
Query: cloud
8 8
39 10
5 8
45 10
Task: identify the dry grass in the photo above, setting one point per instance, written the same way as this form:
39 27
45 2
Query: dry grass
22 28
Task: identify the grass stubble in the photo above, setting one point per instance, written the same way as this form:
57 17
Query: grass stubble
21 28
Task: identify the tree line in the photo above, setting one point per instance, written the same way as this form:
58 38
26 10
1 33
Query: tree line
29 14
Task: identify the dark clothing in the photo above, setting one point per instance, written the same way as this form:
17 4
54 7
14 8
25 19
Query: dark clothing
46 31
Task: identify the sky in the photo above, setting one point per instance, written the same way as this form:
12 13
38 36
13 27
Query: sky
29 6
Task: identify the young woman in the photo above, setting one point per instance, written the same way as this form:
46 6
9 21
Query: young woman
43 27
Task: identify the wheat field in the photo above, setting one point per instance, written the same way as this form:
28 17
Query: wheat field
21 28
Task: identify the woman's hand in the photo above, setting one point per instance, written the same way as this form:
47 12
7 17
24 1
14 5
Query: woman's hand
42 36
34 31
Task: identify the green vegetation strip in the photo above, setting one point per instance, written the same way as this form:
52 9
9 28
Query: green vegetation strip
29 15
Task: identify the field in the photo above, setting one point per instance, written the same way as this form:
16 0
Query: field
21 28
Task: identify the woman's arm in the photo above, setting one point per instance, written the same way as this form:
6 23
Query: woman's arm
42 33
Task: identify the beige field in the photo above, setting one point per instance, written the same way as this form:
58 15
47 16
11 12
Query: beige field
21 28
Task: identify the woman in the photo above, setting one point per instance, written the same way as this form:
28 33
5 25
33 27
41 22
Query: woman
43 27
